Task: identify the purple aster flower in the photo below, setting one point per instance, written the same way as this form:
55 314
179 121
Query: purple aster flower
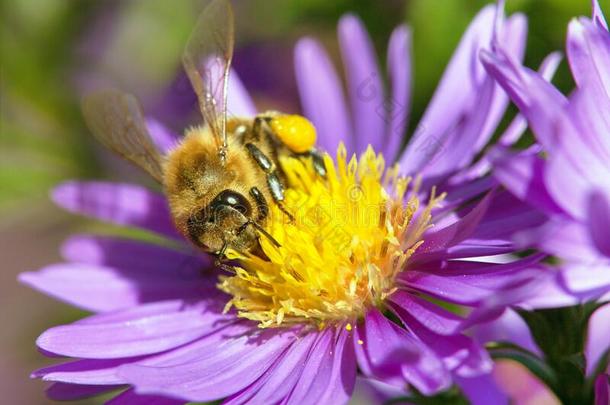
597 350
571 182
571 186
169 327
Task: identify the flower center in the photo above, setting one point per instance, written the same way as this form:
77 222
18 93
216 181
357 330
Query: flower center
351 235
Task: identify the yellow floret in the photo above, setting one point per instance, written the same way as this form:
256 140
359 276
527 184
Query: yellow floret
351 235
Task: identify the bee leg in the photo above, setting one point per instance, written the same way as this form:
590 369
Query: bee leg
276 188
277 192
318 162
261 203
265 233
261 230
221 252
257 126
226 267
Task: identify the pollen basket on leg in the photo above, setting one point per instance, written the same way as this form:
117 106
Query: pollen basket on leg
352 233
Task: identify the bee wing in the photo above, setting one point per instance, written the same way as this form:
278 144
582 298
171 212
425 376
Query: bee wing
116 119
207 61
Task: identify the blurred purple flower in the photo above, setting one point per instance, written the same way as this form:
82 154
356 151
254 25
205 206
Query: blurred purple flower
571 184
159 332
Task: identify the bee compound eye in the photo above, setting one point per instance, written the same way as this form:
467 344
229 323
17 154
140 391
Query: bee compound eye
232 199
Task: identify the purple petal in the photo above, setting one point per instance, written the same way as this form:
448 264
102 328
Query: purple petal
537 99
364 81
84 287
571 165
321 95
582 154
239 102
146 310
455 233
105 372
482 390
85 372
133 335
514 131
599 222
101 289
523 175
455 93
581 159
446 289
275 385
373 391
132 256
164 139
598 15
480 123
122 204
130 397
391 354
510 327
343 373
461 139
588 48
560 237
506 216
399 105
548 291
175 103
513 39
316 365
229 366
381 352
523 287
602 390
481 274
518 125
581 277
73 392
473 249
589 111
330 372
459 353
598 338
435 318
460 193
219 334
468 283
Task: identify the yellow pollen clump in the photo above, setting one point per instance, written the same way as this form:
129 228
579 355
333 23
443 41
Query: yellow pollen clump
295 131
351 235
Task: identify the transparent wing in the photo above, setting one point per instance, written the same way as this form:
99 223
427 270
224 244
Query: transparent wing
207 60
116 119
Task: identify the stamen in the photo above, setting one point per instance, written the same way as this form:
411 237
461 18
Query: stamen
352 233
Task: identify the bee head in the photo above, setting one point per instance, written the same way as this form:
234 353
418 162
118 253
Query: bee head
222 222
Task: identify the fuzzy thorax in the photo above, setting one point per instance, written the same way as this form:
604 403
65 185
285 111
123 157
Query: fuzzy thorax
351 235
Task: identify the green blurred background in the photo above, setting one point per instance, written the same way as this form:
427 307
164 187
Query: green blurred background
54 50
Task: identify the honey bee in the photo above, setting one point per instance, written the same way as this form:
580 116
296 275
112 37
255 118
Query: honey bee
221 178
